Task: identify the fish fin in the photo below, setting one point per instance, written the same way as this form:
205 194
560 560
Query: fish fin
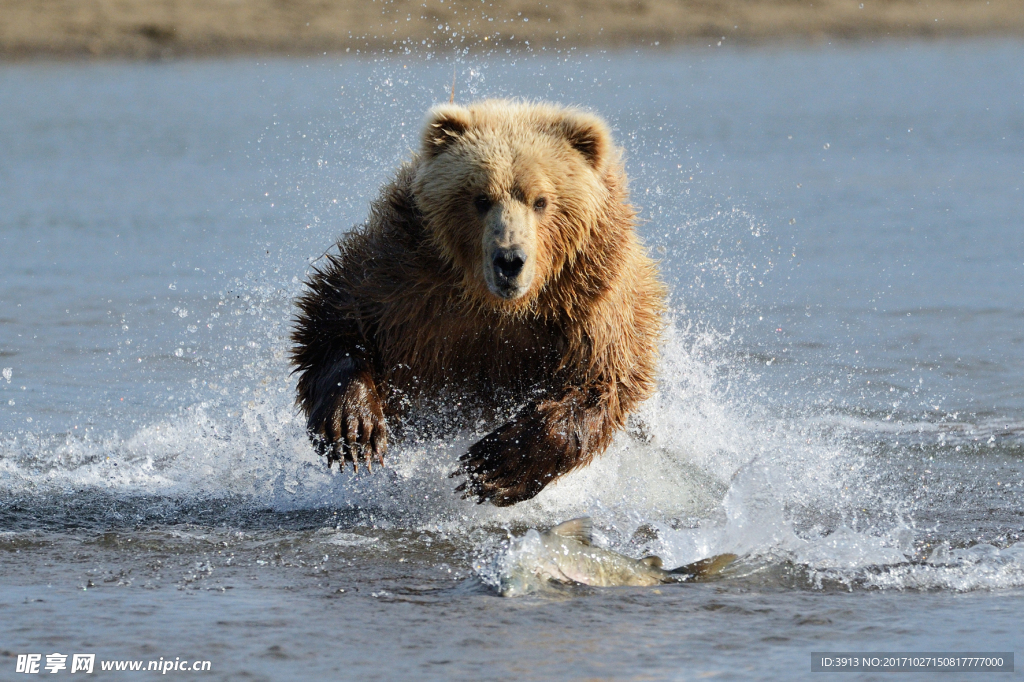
706 568
581 530
652 561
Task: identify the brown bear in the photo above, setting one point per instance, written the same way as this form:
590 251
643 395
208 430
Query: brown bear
500 266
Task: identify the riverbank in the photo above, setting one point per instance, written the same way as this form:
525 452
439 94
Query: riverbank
171 28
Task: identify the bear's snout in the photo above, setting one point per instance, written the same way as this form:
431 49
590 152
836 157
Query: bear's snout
508 263
509 250
509 272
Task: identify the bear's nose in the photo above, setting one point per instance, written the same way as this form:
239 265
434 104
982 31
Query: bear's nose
509 262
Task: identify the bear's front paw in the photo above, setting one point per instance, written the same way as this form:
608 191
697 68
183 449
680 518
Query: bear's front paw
355 426
506 466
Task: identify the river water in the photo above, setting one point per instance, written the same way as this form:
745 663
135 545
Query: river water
841 393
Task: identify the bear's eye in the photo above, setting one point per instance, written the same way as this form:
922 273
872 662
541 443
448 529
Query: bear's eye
540 204
482 203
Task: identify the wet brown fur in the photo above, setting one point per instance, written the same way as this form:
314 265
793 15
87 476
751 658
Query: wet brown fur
401 312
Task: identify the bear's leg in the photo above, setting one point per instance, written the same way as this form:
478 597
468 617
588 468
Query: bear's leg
345 416
546 440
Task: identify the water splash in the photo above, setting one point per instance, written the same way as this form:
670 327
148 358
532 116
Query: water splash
704 469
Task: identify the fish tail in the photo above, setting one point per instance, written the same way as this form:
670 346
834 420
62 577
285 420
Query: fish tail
705 568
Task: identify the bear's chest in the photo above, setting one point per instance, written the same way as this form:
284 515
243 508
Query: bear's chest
458 352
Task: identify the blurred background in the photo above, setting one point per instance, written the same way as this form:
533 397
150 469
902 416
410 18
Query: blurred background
163 28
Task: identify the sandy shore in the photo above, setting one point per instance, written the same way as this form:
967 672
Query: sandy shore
161 28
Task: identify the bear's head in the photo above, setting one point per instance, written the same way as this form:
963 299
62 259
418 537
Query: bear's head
512 192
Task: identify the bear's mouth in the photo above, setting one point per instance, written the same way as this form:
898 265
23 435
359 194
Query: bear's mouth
508 288
508 291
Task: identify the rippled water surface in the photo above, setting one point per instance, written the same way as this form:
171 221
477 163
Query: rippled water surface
841 393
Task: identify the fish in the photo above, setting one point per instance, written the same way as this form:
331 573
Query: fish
565 555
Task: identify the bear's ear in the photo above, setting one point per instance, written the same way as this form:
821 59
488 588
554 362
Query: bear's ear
588 135
445 124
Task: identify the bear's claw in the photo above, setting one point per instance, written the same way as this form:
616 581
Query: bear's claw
355 427
504 467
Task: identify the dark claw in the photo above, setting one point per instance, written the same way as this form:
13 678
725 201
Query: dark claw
350 426
509 465
378 445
